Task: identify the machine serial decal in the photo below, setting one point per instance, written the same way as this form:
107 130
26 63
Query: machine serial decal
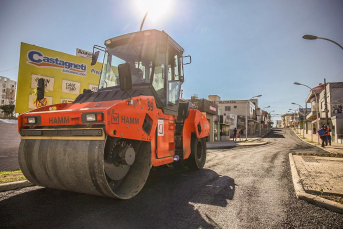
160 128
59 120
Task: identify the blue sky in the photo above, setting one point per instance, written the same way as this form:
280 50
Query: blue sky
239 48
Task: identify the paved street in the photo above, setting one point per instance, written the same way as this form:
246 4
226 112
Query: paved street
242 187
9 143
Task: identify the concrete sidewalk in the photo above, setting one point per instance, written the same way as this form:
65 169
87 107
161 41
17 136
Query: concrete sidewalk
316 177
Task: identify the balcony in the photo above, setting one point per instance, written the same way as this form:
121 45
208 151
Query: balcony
312 115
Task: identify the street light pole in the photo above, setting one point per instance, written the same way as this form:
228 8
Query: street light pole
299 118
291 110
296 83
311 37
246 116
261 120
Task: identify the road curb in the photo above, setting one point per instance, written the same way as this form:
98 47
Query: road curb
302 195
252 144
14 185
237 144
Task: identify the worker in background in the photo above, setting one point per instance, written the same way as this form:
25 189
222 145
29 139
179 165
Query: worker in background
322 134
235 134
328 135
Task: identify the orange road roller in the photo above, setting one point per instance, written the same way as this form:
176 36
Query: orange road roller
105 142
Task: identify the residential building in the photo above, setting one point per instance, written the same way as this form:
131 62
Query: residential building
210 110
233 114
278 123
8 91
286 120
326 108
330 109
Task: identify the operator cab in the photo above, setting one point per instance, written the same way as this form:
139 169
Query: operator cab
155 61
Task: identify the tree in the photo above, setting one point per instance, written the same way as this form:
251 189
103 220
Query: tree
8 109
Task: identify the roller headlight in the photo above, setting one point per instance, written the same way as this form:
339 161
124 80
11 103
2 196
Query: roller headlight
90 117
31 120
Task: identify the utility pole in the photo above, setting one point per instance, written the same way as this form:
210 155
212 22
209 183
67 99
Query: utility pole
326 102
305 126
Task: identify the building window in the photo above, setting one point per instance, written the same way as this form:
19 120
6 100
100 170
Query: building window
2 101
3 90
4 85
234 106
227 108
12 85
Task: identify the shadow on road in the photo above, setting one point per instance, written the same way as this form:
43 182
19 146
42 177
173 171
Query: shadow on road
171 198
275 133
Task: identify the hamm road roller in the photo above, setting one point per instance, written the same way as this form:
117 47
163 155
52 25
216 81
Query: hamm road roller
105 142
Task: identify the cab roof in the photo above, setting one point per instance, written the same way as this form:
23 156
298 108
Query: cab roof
152 34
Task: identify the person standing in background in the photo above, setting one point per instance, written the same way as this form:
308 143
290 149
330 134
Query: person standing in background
234 134
328 135
322 134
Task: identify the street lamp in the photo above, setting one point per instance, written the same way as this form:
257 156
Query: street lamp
296 83
300 113
246 116
311 37
293 117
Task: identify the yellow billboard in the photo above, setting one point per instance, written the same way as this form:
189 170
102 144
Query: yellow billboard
65 76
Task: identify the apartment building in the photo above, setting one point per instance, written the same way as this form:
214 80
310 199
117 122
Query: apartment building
8 91
326 108
286 120
233 115
209 109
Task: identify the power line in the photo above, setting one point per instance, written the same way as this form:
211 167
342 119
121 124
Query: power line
9 69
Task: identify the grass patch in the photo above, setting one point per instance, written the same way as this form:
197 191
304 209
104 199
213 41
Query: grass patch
9 176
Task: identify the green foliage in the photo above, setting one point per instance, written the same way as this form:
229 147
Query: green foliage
8 110
9 176
321 192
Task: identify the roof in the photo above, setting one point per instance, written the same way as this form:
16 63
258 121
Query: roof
315 91
153 34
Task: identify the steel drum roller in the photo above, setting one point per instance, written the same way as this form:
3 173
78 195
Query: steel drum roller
78 166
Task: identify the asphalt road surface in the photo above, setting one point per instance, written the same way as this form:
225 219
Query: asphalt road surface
243 187
9 144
